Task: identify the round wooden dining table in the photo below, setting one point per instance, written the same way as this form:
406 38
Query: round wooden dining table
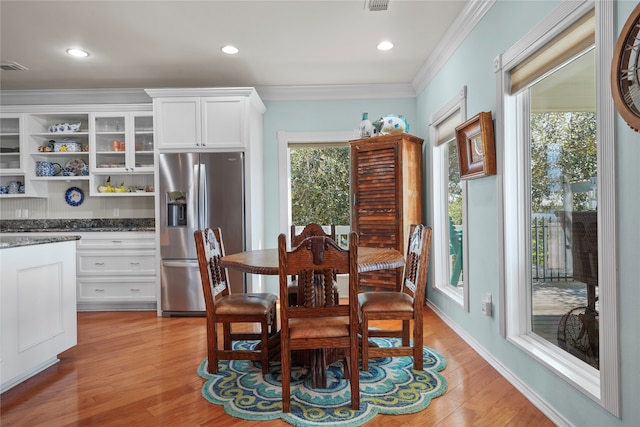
265 261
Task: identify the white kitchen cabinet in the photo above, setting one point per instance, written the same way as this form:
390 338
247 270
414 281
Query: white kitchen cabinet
116 270
37 308
28 133
178 123
121 144
129 289
42 141
201 123
204 119
11 153
224 121
48 141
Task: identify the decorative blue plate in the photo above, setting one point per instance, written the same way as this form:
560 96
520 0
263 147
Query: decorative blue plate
74 196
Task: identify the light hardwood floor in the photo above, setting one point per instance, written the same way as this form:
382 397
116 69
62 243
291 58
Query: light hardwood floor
137 369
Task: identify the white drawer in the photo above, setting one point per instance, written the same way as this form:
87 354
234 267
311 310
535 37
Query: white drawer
128 240
117 263
124 289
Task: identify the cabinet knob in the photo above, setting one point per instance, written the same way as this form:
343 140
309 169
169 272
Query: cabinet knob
99 263
98 290
135 290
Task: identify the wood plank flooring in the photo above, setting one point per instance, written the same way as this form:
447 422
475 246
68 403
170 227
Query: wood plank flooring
137 369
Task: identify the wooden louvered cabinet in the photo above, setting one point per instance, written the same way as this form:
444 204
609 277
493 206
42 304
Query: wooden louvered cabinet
387 197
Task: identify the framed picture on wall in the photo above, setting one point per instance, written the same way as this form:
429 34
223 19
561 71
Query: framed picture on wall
476 147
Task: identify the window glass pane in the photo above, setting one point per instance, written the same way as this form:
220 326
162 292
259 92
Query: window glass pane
455 216
564 244
320 185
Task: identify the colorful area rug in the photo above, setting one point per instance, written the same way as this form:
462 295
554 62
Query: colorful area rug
391 386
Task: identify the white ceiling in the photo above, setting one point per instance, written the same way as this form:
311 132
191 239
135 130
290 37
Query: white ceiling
143 44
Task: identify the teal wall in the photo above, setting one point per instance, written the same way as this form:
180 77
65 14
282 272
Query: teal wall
315 116
472 66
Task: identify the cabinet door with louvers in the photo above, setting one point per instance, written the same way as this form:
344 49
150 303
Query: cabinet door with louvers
387 197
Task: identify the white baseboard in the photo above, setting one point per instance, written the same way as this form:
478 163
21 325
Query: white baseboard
548 410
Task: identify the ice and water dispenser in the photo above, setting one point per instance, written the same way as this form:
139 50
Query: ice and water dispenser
176 208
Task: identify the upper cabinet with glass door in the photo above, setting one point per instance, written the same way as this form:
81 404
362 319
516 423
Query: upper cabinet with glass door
122 156
122 143
11 162
10 143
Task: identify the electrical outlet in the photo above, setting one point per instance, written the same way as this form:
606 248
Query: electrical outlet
486 306
18 213
25 213
116 212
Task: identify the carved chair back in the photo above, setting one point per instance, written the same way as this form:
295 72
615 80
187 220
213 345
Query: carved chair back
216 275
416 263
310 230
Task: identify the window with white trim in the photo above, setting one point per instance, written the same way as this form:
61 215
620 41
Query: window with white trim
555 214
449 208
301 141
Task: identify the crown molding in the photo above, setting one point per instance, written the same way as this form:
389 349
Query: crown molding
453 38
249 92
321 92
73 96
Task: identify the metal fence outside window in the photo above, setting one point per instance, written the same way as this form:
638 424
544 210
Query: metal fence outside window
550 249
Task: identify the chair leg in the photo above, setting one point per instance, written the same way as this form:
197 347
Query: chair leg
418 360
212 347
274 321
264 329
286 376
346 363
406 333
365 342
227 336
355 376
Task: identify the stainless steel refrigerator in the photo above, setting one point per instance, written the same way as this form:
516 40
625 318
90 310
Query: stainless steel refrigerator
197 190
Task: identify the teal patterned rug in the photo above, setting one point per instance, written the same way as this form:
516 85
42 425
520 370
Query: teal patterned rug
390 387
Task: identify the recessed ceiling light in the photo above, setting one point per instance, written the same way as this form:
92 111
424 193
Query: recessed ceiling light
77 52
230 50
385 46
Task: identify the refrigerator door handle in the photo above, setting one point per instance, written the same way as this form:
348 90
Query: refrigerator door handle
202 197
184 263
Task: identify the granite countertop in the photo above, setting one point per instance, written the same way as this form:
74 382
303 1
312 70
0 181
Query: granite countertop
66 225
7 242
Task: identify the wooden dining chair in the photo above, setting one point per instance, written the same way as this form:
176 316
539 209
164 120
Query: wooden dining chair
309 230
322 322
226 308
405 306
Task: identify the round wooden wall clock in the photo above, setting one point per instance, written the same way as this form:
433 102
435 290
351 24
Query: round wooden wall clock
625 71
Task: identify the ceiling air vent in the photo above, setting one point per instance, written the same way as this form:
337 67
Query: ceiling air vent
375 5
12 66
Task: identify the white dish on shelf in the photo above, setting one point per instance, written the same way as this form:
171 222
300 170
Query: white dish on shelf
66 146
64 127
76 165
